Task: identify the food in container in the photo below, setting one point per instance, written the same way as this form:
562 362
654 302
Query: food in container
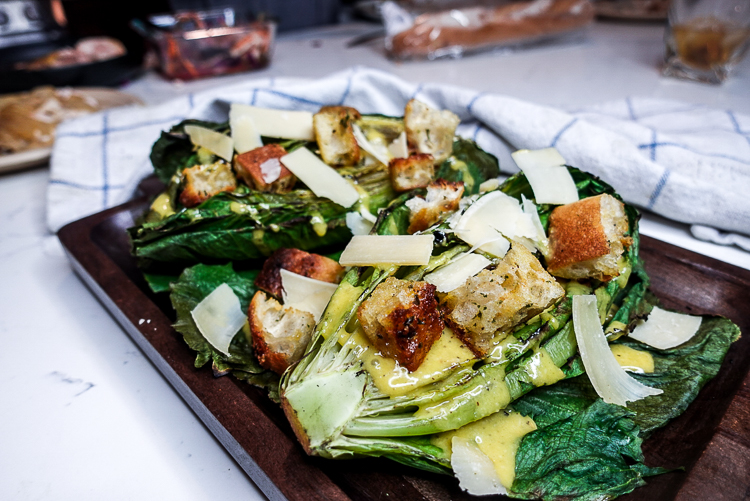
194 44
436 29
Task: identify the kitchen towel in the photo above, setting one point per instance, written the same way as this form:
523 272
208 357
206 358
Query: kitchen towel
683 161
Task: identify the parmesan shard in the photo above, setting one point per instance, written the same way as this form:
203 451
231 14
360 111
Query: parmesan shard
380 153
271 122
454 274
244 132
322 179
306 294
474 469
550 180
219 317
215 142
666 329
373 250
608 378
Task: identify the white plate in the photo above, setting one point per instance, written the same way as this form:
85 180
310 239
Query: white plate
24 159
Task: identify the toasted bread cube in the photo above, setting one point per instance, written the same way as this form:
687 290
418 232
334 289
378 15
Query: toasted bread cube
415 171
401 319
280 333
491 303
261 169
429 130
335 135
587 238
442 199
299 262
201 182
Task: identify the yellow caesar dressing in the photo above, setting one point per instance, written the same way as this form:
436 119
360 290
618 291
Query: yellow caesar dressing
497 436
633 360
542 370
389 377
163 205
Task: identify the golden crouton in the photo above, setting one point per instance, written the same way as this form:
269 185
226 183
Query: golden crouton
201 182
587 238
335 135
494 301
429 130
280 333
401 319
261 169
442 198
299 262
415 171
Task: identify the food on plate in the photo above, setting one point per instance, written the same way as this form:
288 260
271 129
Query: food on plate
86 51
475 324
28 119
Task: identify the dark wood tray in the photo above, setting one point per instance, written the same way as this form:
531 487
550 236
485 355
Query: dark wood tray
711 440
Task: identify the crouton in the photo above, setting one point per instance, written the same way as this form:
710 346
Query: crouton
280 333
261 169
299 262
442 198
587 238
491 303
429 130
401 319
201 182
415 171
335 135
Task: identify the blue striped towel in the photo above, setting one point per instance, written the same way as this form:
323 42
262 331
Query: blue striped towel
685 162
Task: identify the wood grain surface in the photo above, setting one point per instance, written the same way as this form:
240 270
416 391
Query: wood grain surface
710 441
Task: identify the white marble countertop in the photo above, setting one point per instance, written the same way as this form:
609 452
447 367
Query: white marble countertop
85 415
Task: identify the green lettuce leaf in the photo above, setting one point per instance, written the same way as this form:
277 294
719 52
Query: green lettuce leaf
193 286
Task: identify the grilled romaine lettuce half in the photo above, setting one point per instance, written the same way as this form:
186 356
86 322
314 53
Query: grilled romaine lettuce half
337 411
247 224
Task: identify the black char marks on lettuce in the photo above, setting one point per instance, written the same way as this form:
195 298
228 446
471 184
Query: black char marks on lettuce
554 461
240 227
173 151
470 164
190 289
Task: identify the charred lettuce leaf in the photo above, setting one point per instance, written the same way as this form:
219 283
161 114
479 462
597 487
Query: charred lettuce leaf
173 151
585 449
190 289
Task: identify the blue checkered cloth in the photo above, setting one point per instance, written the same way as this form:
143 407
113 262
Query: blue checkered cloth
686 162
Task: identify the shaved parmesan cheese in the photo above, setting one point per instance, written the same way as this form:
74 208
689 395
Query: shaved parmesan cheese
244 132
304 293
372 250
489 185
537 159
552 185
541 240
455 273
549 179
666 329
474 469
322 179
493 219
609 379
357 224
278 123
399 147
270 170
215 142
219 317
379 152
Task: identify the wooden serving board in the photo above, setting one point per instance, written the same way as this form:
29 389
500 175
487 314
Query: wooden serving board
711 440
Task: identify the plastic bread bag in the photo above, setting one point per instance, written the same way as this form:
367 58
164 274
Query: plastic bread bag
449 28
